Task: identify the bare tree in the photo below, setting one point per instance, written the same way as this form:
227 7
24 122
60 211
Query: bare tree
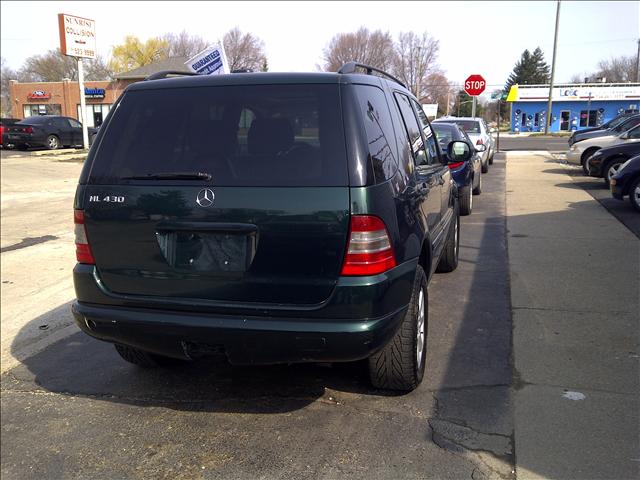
6 75
437 89
244 51
617 69
416 59
371 48
184 45
53 66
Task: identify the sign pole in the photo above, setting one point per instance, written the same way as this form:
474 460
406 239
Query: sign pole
83 106
473 107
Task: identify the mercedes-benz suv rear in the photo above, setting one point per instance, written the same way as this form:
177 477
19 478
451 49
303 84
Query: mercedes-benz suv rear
274 218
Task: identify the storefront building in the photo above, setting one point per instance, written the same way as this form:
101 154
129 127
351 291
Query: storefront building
63 98
575 106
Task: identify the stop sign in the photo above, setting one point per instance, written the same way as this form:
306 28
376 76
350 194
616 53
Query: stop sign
474 85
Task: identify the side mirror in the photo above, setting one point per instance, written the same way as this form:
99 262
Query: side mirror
481 148
458 151
492 130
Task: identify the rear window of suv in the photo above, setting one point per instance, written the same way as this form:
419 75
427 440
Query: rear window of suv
248 135
469 126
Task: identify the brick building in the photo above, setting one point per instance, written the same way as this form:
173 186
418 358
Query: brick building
63 98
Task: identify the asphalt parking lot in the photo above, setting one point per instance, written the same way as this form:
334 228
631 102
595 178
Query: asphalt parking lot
510 352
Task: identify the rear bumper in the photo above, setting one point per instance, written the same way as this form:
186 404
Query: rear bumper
359 318
244 340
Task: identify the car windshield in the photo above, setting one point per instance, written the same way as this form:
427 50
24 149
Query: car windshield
628 124
469 126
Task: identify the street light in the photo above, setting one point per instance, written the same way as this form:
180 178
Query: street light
462 103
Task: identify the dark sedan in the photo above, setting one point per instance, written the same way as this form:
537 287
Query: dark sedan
606 161
615 121
627 182
467 174
626 124
49 131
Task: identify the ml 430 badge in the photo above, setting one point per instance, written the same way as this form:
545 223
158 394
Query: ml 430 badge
106 199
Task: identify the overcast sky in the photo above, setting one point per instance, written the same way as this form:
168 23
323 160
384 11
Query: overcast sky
475 37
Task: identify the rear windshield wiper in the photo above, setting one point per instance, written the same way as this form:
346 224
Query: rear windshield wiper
171 176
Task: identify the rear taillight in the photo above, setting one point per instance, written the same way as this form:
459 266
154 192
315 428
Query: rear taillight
369 249
28 130
83 250
479 142
455 165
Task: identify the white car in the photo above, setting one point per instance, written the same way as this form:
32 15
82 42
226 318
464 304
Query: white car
479 134
580 152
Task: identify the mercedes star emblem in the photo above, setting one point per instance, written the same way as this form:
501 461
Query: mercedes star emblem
205 197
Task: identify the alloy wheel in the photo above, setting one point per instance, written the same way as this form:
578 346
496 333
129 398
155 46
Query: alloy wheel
420 330
612 170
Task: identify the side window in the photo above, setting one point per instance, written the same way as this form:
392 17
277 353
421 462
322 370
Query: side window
432 150
379 130
60 123
635 133
73 123
413 130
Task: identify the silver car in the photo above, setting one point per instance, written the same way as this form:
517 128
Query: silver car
479 133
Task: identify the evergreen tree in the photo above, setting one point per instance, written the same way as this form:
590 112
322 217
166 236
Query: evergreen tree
530 69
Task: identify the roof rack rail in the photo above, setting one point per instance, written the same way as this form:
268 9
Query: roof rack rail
166 73
350 67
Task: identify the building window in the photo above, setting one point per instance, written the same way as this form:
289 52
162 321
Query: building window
33 110
95 114
588 118
536 119
524 120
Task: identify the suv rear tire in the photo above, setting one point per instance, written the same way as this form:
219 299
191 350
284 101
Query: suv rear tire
449 260
400 364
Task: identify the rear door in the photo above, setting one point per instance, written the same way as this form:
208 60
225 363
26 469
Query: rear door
426 176
226 193
75 130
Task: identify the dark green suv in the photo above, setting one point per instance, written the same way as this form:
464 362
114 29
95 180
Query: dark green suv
271 217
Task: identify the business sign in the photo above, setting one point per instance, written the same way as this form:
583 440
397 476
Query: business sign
94 92
573 93
77 36
430 109
211 61
38 95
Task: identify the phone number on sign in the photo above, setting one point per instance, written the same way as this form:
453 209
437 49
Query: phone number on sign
82 52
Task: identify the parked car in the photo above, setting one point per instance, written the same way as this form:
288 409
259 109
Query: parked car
467 174
580 152
627 182
625 125
4 123
277 218
605 126
479 133
606 161
49 131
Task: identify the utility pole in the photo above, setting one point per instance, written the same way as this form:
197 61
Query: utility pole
547 123
638 63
